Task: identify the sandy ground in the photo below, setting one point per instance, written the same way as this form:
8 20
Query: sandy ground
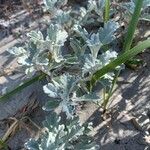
126 127
127 124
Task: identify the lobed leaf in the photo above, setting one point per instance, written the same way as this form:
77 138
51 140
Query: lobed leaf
57 136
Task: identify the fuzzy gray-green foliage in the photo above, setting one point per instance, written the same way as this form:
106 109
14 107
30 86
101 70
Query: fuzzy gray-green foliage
41 54
64 94
57 136
129 6
69 72
93 61
63 89
97 6
53 5
45 54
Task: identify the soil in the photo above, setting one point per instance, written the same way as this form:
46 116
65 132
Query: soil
126 126
128 122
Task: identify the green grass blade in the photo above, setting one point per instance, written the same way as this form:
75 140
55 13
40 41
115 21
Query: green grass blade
3 145
127 44
110 93
132 25
22 86
120 60
107 10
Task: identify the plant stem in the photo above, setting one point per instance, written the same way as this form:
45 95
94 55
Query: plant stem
106 100
107 10
132 25
22 86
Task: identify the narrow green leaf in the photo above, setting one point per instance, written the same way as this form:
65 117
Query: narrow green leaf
132 25
3 145
121 59
22 86
110 93
107 10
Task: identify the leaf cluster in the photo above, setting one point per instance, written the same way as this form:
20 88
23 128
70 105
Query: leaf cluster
72 56
57 136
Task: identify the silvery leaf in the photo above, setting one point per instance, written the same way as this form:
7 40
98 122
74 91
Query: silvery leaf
52 89
23 60
94 44
81 16
17 51
97 6
72 60
63 17
52 123
92 97
68 108
108 56
78 47
35 37
56 35
58 136
56 54
91 5
81 32
32 144
129 6
90 65
61 3
61 37
41 61
40 53
100 7
30 71
50 5
109 76
146 3
106 34
145 17
101 4
83 12
61 86
52 32
68 82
